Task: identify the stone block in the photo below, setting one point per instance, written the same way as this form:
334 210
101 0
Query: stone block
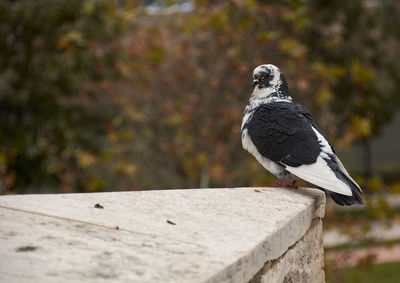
196 235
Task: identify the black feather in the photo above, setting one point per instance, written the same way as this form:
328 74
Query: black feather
282 136
342 199
338 198
345 200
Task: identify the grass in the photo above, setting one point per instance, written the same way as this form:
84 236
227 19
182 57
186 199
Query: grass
384 272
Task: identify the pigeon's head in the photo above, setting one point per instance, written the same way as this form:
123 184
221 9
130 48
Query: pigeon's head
268 80
265 76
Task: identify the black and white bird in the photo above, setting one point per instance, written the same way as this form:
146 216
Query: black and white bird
283 137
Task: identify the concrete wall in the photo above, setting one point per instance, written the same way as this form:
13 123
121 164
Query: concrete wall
207 235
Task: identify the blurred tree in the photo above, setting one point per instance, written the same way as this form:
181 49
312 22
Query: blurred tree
189 77
352 49
88 105
172 118
52 52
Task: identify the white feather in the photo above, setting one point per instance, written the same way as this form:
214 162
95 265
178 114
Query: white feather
321 175
327 148
248 145
344 171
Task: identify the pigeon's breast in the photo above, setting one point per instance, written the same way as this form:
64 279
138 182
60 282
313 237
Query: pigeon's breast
268 164
248 144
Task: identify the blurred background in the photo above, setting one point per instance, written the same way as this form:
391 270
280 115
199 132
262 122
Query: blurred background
126 95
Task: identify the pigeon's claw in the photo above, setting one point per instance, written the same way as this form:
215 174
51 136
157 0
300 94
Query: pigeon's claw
278 184
293 185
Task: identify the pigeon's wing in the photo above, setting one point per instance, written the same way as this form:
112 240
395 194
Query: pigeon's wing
284 135
300 108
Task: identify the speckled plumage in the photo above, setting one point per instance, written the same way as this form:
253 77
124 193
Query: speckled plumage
283 137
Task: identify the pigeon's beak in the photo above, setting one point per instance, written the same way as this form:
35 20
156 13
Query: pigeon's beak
254 83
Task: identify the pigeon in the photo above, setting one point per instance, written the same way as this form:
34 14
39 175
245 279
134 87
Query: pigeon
286 141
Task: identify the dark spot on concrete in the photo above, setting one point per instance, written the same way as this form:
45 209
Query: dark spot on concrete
170 222
98 205
26 249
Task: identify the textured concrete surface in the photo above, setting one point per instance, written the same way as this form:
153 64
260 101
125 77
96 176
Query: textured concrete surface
208 235
301 263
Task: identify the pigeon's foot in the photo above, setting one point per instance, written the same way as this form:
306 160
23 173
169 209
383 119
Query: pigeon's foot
279 184
292 185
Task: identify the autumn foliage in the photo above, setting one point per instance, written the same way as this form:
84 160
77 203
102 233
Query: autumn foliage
99 95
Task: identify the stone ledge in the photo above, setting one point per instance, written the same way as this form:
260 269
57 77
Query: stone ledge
307 253
200 235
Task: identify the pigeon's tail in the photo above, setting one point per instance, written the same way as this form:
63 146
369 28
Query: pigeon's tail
343 199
